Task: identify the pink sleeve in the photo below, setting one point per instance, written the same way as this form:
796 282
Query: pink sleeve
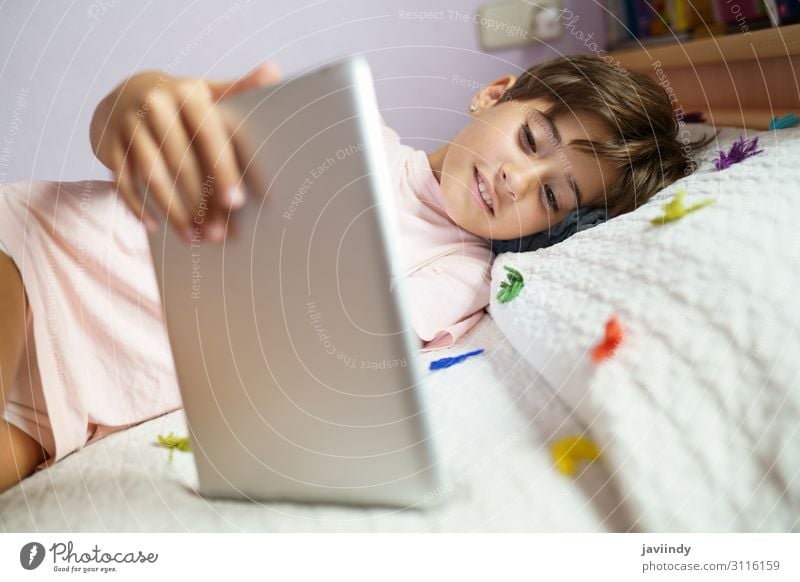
447 298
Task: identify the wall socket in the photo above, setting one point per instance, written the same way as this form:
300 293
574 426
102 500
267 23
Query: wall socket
511 23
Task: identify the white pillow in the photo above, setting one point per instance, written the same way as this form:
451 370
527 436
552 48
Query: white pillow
699 408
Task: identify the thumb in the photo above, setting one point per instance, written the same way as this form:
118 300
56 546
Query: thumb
267 73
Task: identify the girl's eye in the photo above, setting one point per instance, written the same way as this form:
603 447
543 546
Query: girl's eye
551 198
526 138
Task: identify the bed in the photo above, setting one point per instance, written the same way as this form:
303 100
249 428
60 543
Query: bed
489 422
697 414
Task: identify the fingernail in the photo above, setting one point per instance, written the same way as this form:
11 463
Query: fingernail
215 231
188 234
235 197
150 224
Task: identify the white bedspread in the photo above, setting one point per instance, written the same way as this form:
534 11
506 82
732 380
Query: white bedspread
495 420
699 409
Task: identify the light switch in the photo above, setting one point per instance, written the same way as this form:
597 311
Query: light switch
511 23
547 23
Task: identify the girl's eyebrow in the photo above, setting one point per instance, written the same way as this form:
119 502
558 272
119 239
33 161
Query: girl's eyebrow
557 136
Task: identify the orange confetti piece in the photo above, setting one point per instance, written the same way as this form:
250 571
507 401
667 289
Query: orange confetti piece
605 349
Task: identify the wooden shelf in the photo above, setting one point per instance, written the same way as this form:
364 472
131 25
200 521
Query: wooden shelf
739 79
769 43
754 118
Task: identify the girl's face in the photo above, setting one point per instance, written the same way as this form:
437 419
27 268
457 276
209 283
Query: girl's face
511 172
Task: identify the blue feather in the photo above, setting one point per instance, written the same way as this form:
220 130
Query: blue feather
788 120
447 362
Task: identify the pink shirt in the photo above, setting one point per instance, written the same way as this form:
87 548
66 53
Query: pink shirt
447 269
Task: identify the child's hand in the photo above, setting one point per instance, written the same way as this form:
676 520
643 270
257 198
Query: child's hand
159 132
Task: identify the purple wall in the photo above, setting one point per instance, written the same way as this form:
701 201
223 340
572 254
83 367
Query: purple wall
58 62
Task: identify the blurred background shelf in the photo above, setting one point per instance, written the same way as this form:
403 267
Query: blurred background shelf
741 80
630 24
770 43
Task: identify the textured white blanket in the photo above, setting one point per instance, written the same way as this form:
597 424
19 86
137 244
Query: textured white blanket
699 409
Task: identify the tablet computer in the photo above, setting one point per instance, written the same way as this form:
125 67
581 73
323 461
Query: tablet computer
297 363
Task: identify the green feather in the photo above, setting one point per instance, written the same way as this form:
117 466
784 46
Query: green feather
511 287
675 208
174 443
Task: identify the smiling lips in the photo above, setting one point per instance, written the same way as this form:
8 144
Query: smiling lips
483 191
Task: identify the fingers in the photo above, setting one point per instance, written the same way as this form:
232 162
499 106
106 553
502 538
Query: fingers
178 150
173 142
266 73
126 188
149 165
213 145
209 217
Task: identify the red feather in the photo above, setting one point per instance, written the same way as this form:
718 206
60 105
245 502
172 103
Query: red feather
605 349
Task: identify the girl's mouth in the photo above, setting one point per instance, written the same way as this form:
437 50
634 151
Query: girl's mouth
481 193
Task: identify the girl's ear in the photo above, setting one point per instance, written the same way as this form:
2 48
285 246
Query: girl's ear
489 95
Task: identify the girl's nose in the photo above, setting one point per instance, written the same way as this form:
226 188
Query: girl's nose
504 174
520 180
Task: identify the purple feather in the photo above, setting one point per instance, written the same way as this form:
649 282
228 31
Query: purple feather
740 150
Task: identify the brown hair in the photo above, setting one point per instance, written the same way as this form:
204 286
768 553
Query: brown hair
638 113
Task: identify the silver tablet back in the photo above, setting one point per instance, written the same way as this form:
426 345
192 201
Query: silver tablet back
296 360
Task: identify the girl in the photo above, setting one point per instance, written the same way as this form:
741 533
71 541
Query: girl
84 351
